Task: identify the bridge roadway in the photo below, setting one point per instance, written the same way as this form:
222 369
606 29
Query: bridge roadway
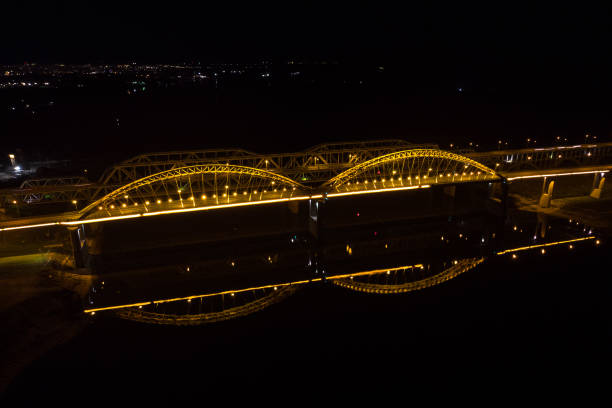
310 167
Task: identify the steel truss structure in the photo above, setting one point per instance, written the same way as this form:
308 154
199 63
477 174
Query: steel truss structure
313 165
310 167
54 182
506 161
57 189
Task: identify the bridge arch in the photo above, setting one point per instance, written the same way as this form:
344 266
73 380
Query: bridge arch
157 314
413 167
203 185
396 285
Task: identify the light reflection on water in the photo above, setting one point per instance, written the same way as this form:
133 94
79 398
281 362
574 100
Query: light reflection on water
209 286
501 310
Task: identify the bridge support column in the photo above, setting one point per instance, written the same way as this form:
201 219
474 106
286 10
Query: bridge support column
598 183
449 196
75 242
450 190
315 208
500 225
315 213
504 199
547 189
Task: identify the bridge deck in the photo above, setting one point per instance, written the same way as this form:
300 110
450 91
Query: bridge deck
38 221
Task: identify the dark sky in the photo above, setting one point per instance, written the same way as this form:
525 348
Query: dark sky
556 57
492 33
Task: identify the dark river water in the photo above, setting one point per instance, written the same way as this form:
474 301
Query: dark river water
507 321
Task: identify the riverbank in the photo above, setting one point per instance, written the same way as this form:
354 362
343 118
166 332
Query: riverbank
587 210
40 308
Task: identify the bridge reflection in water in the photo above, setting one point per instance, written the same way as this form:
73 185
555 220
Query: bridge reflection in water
196 281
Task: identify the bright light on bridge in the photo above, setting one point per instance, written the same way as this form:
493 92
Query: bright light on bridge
381 190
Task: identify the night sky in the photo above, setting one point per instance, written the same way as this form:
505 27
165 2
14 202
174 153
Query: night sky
529 70
493 36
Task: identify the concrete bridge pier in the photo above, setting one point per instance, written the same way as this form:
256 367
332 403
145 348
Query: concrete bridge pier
315 256
315 211
504 199
295 215
598 184
77 243
547 190
500 225
84 246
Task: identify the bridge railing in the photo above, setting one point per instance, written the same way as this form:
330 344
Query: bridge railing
545 157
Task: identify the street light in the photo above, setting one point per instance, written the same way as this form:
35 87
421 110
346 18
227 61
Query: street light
12 157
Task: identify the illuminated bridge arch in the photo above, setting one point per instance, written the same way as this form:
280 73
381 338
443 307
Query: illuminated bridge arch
195 187
412 168
193 311
406 279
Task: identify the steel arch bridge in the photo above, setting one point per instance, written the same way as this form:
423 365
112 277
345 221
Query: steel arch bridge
412 167
207 185
214 185
311 166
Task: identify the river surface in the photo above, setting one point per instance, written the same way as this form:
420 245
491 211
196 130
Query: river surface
507 320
